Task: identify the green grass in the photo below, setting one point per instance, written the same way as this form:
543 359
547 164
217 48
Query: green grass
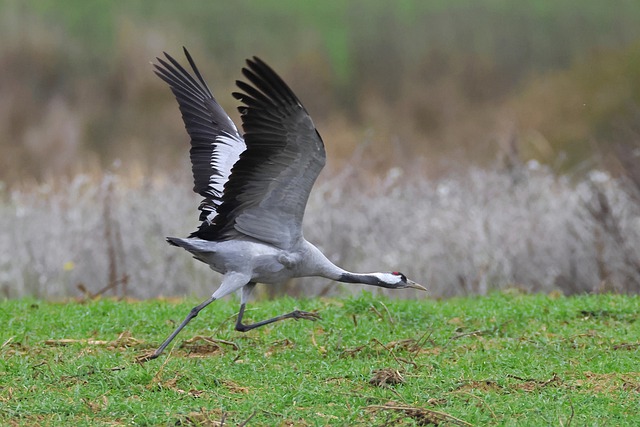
506 359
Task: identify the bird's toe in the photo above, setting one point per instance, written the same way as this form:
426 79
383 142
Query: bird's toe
146 357
297 314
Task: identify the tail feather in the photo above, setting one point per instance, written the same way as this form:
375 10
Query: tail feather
174 241
193 245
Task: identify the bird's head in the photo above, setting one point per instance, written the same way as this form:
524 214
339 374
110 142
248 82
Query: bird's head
396 280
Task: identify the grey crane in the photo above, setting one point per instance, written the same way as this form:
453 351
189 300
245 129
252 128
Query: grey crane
255 188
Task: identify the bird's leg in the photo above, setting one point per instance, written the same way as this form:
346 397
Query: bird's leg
193 313
296 314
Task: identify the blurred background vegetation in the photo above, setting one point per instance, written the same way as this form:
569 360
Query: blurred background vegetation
473 144
451 82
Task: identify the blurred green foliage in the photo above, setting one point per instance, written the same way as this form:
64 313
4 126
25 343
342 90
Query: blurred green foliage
419 78
517 35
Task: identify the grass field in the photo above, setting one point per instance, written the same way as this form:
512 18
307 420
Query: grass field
505 359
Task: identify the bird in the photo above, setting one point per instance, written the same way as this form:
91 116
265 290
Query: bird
254 187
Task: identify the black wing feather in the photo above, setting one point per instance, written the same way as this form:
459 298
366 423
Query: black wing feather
215 141
269 186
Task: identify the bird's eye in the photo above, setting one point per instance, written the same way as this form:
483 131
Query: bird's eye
402 276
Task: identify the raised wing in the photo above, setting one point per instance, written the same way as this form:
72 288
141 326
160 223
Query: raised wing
269 186
215 142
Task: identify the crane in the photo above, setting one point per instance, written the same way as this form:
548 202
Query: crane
254 187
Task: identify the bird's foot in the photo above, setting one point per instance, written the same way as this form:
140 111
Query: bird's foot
147 356
297 314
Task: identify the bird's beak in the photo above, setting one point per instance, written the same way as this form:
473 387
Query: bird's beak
414 285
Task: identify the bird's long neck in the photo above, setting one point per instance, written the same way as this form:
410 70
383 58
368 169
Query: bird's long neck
321 266
366 279
340 275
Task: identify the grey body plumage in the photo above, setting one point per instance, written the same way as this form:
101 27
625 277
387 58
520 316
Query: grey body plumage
255 188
